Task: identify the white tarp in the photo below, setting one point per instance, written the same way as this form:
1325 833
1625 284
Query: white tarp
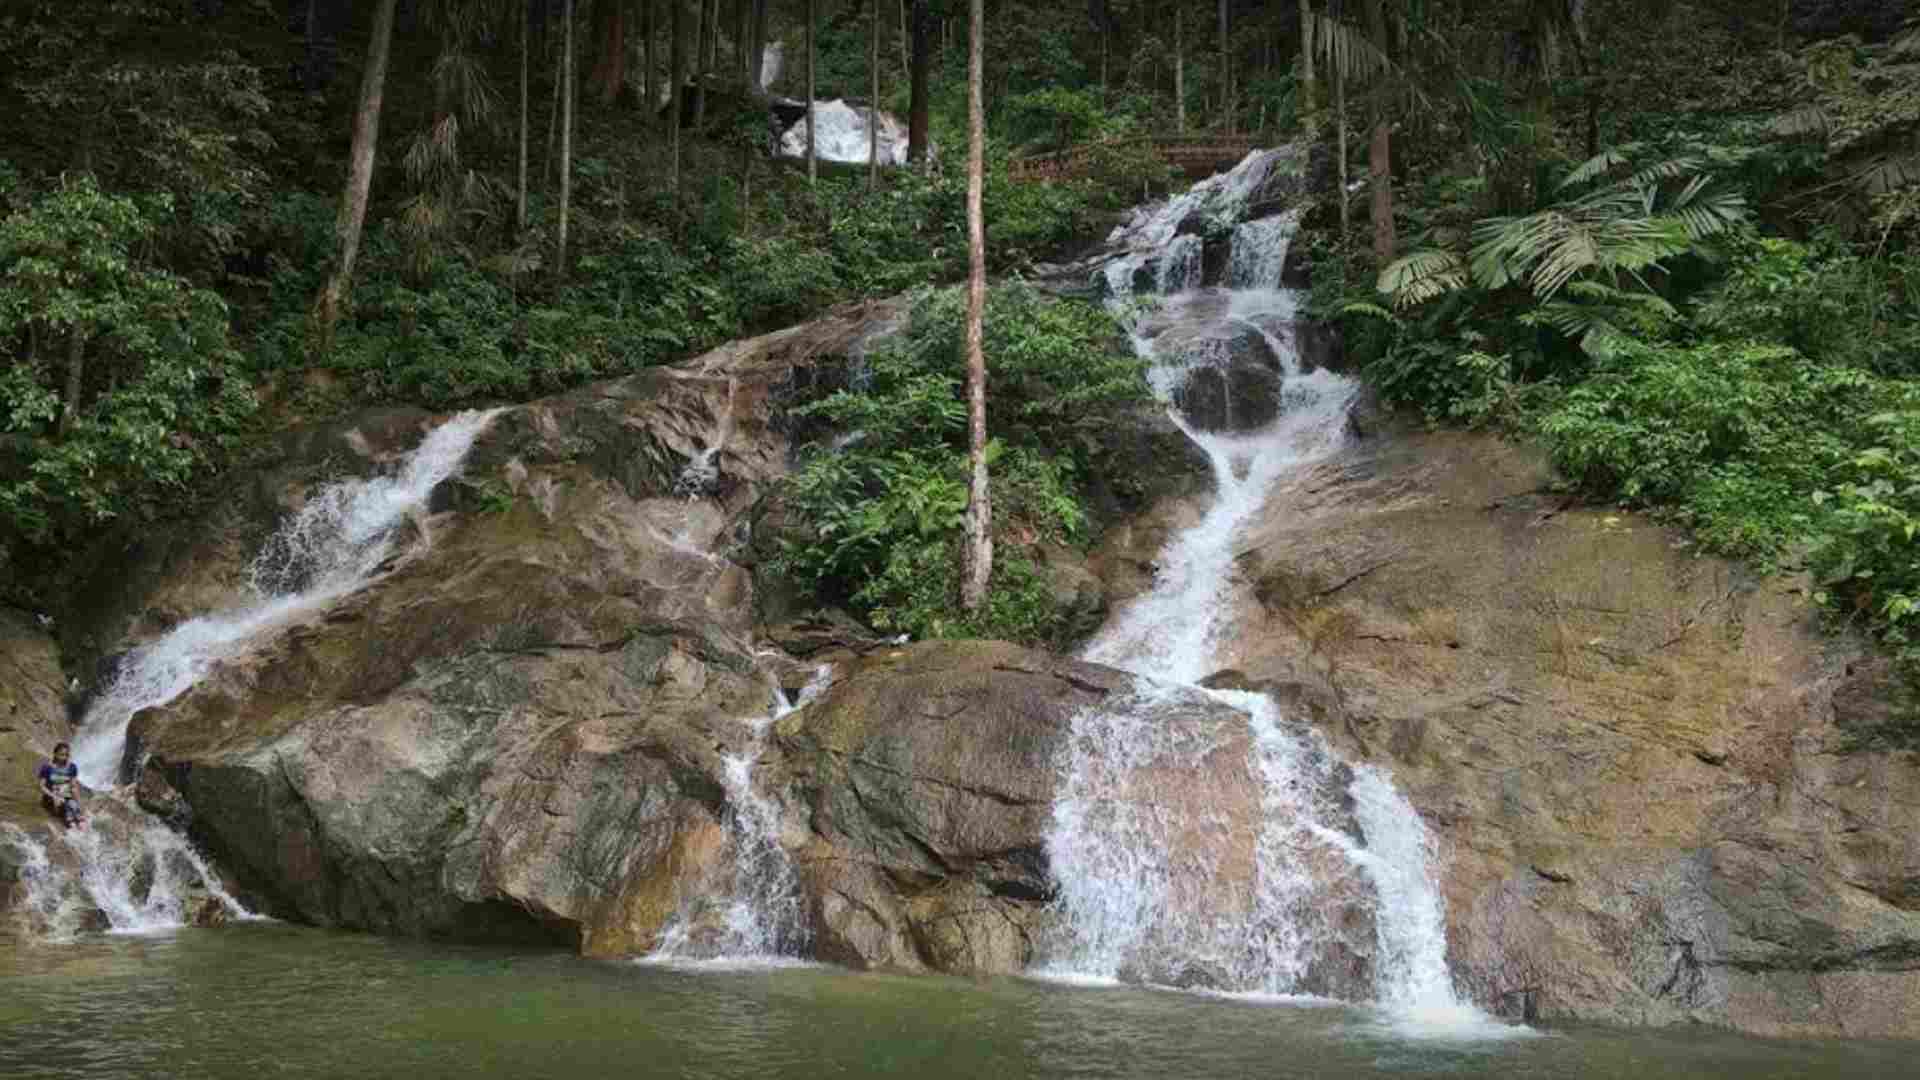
842 135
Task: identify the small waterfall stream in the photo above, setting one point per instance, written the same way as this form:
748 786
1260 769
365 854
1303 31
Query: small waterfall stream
754 915
1150 889
138 874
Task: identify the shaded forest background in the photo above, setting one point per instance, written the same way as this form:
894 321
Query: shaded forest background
1673 241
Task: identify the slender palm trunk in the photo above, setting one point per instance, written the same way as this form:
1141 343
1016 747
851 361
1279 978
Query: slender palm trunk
873 108
567 95
977 561
917 105
813 159
702 43
353 201
1380 147
676 94
1340 121
526 30
1309 92
1226 70
1179 72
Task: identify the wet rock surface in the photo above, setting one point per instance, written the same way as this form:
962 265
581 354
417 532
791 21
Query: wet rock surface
1637 759
1638 762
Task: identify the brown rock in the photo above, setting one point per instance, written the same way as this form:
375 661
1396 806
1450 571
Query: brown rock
1636 759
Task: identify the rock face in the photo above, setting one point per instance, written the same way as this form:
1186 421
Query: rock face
1637 759
516 731
33 712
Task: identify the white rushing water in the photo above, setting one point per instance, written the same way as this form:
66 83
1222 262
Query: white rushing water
140 874
1148 886
754 915
327 549
140 881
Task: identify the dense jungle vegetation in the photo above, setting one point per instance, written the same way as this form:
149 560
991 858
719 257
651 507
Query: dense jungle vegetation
1675 242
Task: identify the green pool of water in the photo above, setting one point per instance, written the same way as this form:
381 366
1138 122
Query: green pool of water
278 1001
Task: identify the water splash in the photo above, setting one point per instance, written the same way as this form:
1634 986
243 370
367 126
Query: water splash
1157 882
330 547
1260 248
756 915
139 882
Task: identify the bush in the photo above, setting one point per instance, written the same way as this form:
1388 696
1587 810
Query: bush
120 383
880 507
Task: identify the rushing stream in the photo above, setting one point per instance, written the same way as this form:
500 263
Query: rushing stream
1148 892
130 868
1322 889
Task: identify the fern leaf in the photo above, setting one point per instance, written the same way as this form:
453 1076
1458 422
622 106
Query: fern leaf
1420 276
1361 307
1599 165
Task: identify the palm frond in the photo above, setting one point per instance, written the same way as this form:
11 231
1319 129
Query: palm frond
1600 165
1420 276
1347 48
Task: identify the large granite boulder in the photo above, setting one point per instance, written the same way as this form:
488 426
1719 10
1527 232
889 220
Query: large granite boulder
1642 764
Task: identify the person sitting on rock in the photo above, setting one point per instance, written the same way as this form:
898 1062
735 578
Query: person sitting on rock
59 785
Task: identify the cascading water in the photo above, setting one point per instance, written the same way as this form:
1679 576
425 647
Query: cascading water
331 547
754 915
138 880
1146 889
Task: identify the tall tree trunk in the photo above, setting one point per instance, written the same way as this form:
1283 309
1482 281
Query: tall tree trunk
703 43
1340 121
1179 70
567 93
743 40
1226 70
873 108
676 94
353 201
650 73
1380 149
977 561
551 167
813 147
918 104
1309 92
759 60
906 36
610 68
526 32
76 371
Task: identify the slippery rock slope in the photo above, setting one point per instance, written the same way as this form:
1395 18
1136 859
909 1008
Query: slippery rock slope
33 711
929 781
515 730
1637 759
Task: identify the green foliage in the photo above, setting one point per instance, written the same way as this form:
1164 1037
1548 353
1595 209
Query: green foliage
155 390
881 508
1867 560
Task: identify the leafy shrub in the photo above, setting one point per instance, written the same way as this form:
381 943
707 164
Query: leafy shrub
119 383
881 507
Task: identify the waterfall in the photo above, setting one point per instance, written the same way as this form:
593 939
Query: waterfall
328 548
1155 883
139 881
754 914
